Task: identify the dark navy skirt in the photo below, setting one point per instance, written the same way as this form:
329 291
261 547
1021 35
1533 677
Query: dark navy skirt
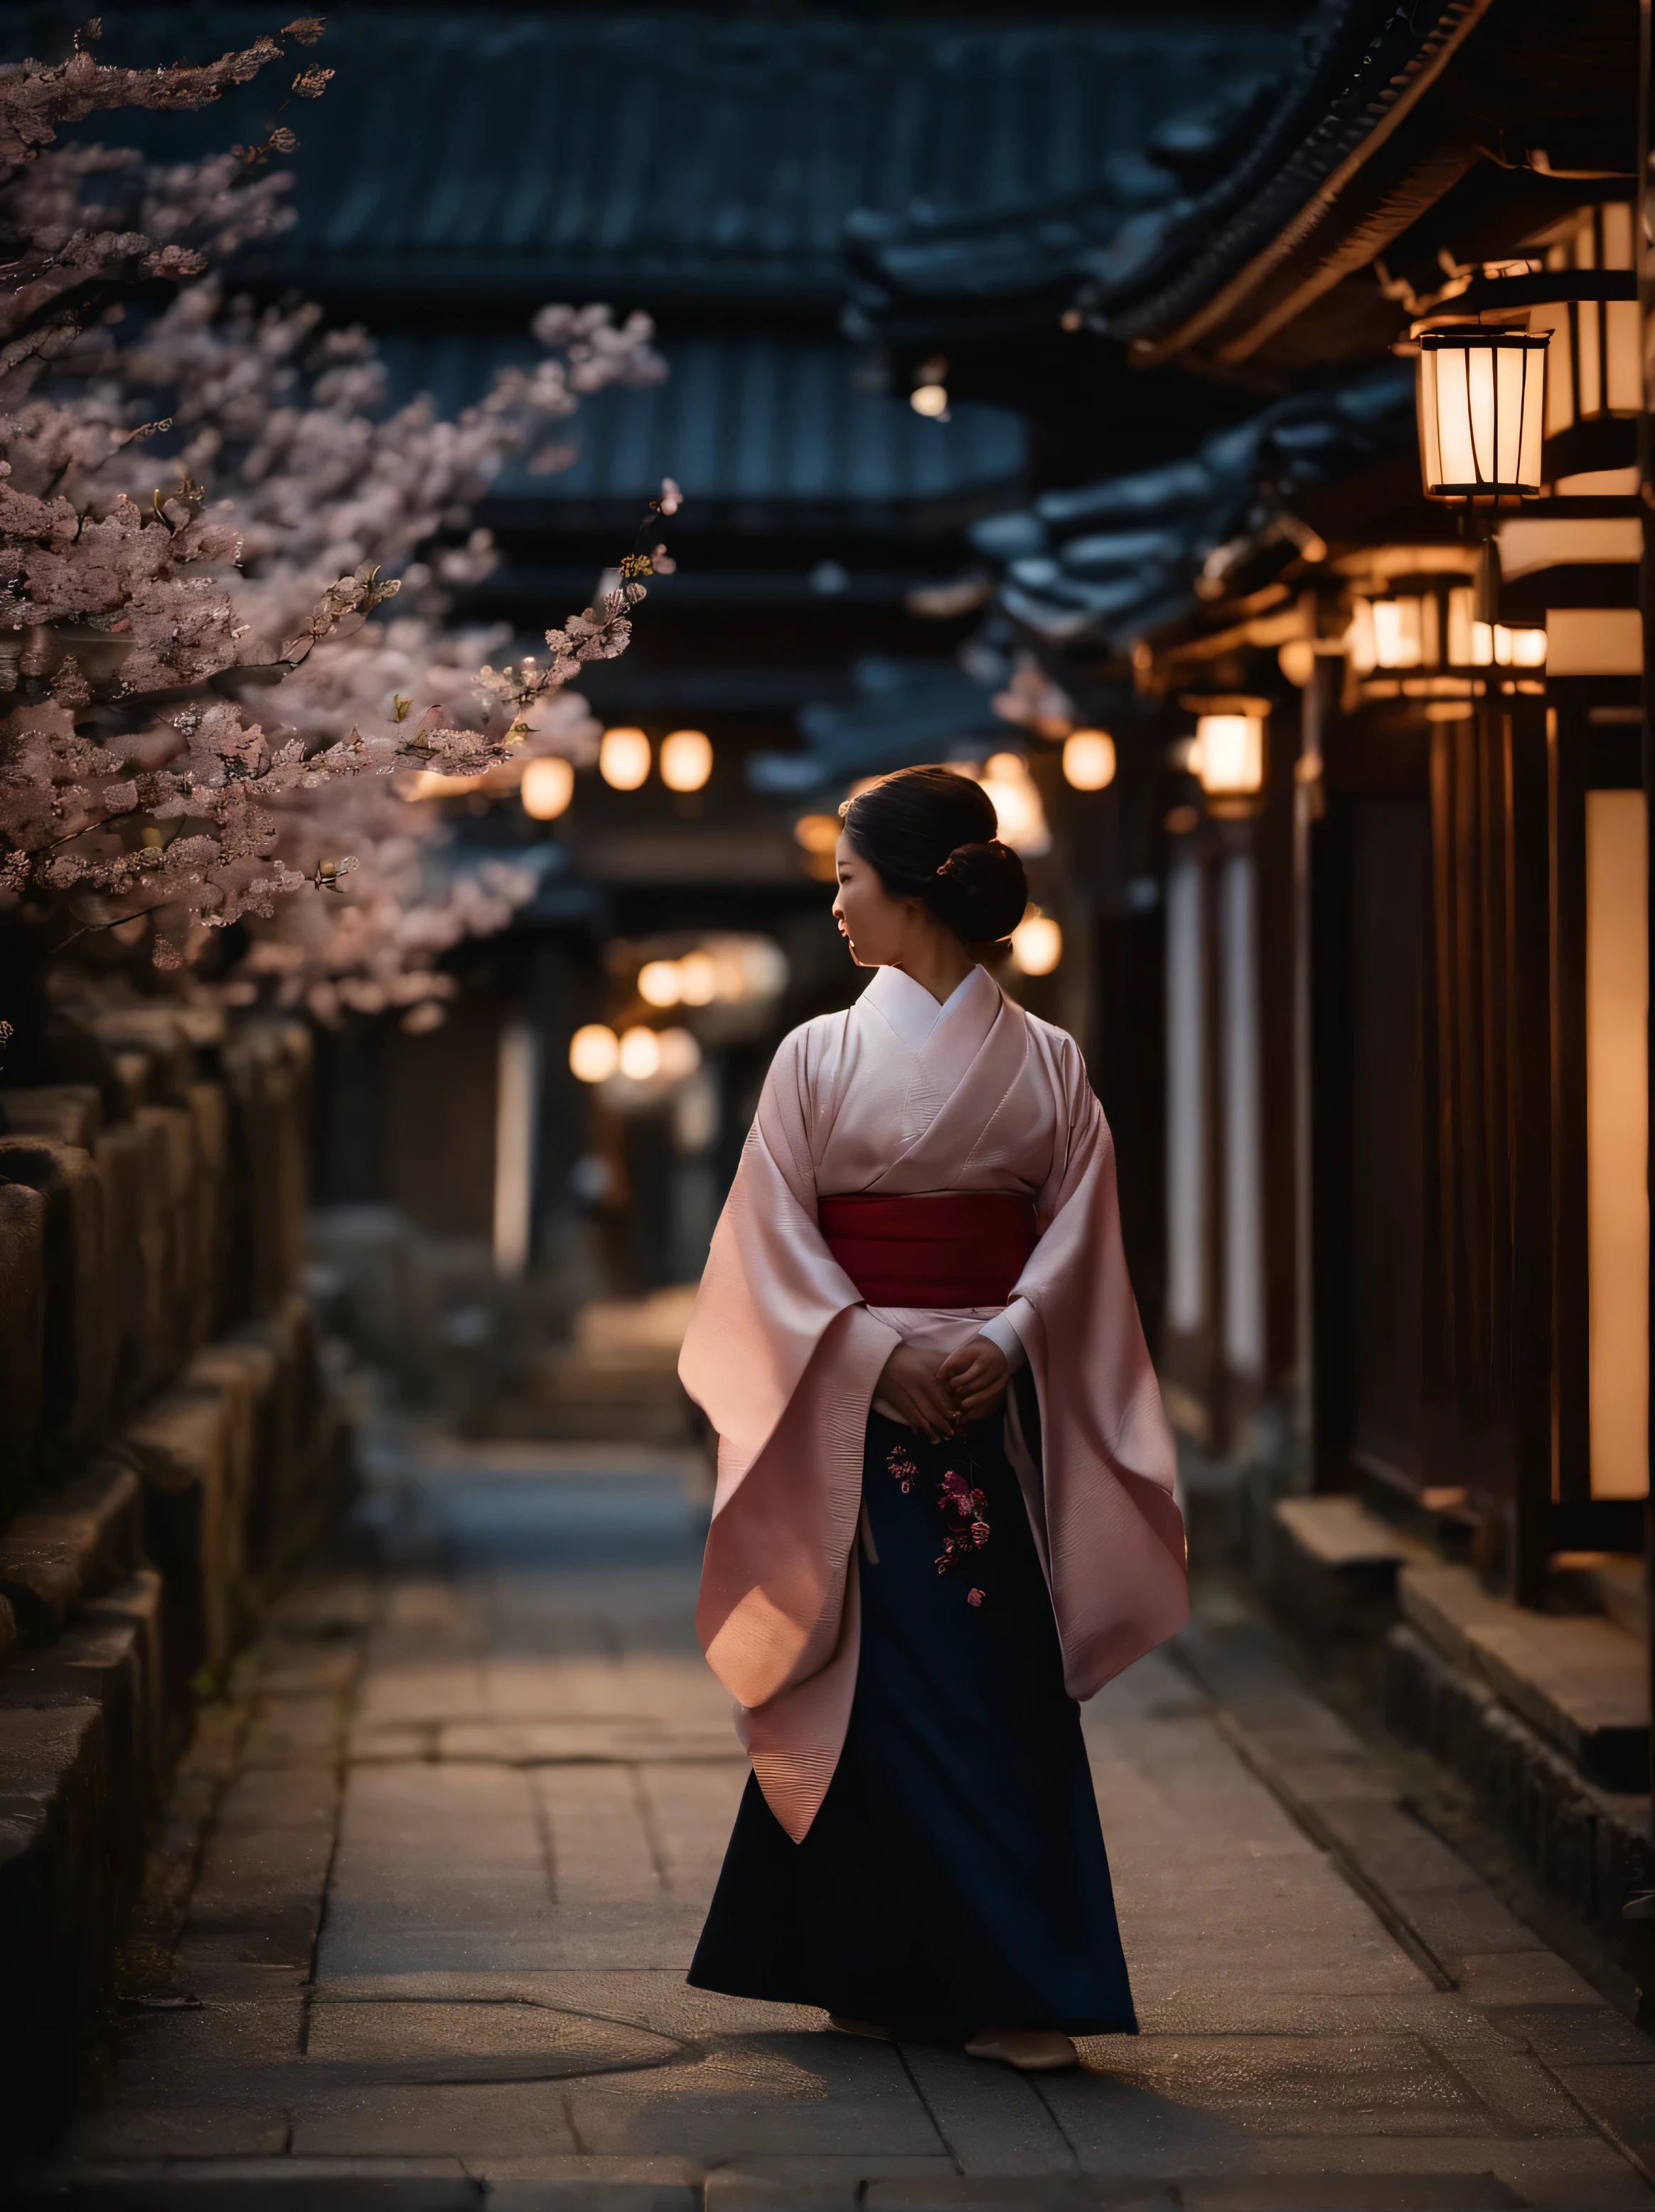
955 1876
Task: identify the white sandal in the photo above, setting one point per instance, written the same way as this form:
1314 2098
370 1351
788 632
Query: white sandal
1031 2050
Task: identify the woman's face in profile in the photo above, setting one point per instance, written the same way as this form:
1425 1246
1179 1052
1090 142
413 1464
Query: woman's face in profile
877 928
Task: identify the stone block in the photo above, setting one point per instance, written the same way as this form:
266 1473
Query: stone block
1332 1566
138 1602
181 1446
166 1235
70 1112
67 1546
120 1155
1578 1679
209 1111
102 1664
1590 1844
266 1072
74 1365
58 1898
296 1412
244 1376
161 1036
22 1334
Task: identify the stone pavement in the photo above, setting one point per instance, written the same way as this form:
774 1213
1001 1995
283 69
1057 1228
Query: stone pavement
467 1821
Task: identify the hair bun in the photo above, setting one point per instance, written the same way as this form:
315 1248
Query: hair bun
981 891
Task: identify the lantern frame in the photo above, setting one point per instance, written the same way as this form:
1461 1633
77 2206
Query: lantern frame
1475 411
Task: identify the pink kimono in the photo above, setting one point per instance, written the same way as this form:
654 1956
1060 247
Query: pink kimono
899 1096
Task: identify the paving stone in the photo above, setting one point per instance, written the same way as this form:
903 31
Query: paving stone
213 2184
1526 1977
1621 2099
1576 2034
825 2183
963 2193
591 2193
790 2095
517 2118
1348 2192
491 2040
259 1895
1183 2099
992 2119
439 1866
1459 1924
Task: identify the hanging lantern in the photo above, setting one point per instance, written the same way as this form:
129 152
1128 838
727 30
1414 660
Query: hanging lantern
594 1052
1227 756
547 787
1036 944
1482 411
1089 760
686 759
1405 631
623 759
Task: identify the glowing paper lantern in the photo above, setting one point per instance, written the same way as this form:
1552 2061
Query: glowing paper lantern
686 759
547 787
639 1056
930 399
623 759
1481 398
594 1052
1036 944
1021 818
1089 760
658 983
697 979
1229 755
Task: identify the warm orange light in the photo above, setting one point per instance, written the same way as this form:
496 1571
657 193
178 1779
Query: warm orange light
818 832
1229 754
1089 760
547 787
623 759
593 1053
658 983
686 759
639 1056
1036 944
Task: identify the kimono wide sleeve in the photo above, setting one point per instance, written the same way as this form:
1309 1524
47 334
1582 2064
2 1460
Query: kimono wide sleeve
1115 1536
783 1357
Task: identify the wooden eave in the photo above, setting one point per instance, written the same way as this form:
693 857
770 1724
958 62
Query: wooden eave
1489 88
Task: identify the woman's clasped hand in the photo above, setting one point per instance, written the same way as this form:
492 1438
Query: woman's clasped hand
939 1401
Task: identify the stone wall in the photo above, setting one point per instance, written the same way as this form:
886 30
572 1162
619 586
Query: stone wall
166 1446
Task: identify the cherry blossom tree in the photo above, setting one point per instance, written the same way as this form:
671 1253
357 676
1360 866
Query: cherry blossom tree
200 510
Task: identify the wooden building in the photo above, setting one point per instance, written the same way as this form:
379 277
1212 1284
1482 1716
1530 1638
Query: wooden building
1405 753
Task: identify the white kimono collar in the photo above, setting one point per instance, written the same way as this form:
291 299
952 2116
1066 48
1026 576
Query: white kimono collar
909 1009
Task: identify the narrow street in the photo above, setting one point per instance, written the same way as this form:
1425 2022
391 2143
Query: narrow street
471 1817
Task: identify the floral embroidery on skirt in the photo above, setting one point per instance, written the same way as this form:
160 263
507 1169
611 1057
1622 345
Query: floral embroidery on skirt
964 1509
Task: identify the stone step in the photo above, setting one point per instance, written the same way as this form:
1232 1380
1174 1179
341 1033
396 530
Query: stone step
59 1896
1579 1680
1330 1566
69 1546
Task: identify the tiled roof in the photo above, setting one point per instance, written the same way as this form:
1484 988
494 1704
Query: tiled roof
1109 563
579 153
742 420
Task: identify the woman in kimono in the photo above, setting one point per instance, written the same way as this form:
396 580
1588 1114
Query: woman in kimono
945 1508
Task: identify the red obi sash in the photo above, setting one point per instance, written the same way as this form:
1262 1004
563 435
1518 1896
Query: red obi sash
945 1249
